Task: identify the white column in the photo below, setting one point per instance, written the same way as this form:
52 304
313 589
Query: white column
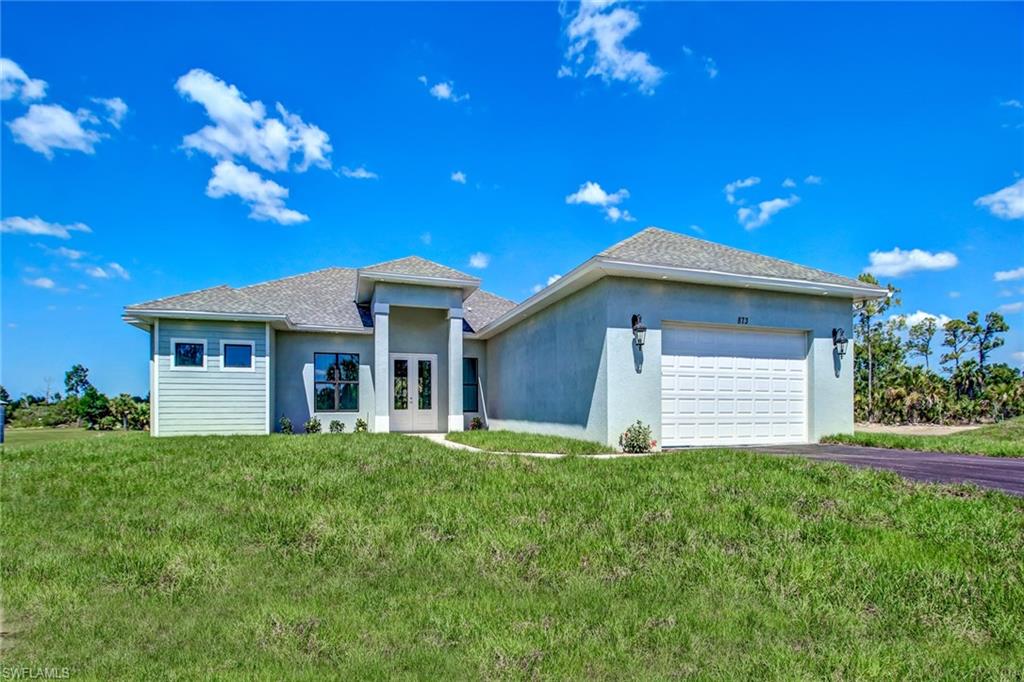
455 422
381 369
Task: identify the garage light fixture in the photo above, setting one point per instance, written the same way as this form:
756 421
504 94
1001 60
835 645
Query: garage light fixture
839 340
639 331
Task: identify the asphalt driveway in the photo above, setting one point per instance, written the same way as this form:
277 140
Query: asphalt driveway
998 473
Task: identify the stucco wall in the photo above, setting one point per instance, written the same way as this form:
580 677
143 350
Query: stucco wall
546 374
210 400
293 377
572 369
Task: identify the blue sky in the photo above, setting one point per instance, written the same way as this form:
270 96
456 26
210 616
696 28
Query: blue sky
469 134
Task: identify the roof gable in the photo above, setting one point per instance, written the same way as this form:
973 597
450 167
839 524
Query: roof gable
655 246
415 266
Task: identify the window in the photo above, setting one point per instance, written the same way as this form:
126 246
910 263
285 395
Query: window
238 356
335 382
470 386
188 353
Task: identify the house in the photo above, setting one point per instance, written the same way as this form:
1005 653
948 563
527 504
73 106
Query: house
739 348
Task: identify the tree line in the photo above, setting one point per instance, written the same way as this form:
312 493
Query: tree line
953 379
81 405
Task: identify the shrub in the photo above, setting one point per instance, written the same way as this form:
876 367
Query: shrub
337 426
93 406
476 424
286 425
312 425
637 438
361 426
107 423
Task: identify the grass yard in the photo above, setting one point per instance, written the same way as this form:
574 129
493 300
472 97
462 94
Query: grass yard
23 437
378 556
1005 439
513 441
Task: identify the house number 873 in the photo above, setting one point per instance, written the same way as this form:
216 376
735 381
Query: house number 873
742 320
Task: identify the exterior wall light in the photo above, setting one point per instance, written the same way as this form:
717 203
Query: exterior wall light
839 340
639 331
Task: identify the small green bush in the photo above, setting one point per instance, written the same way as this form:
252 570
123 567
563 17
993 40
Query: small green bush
337 426
107 423
637 438
286 425
361 426
312 425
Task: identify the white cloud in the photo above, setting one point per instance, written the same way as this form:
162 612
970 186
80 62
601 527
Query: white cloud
358 173
242 130
116 109
1007 203
921 316
118 271
730 189
598 31
14 82
954 294
710 67
459 177
426 238
1009 275
1012 307
1004 293
697 229
443 90
751 219
63 252
97 272
899 262
41 282
39 227
813 180
265 198
615 214
1018 355
1012 103
789 183
479 260
551 280
50 126
593 194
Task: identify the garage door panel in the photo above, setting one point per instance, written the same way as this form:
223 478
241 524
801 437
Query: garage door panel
729 387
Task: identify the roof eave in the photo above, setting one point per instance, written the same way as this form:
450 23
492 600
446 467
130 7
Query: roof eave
599 267
143 318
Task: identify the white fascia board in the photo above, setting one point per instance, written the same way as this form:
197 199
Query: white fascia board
596 268
142 319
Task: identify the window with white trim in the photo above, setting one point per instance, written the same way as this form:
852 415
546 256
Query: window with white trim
188 353
238 356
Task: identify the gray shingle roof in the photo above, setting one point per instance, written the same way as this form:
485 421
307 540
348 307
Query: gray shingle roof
655 246
420 267
481 307
324 298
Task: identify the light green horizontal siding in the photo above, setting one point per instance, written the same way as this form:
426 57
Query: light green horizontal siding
211 401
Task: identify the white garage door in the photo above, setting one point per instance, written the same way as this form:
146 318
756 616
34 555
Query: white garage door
733 387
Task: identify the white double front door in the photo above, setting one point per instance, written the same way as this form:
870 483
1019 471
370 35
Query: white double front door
413 389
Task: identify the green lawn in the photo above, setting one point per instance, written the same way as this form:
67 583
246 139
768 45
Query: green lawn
379 556
1005 439
22 437
513 441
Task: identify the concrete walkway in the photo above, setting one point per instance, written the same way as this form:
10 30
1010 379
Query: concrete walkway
995 473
